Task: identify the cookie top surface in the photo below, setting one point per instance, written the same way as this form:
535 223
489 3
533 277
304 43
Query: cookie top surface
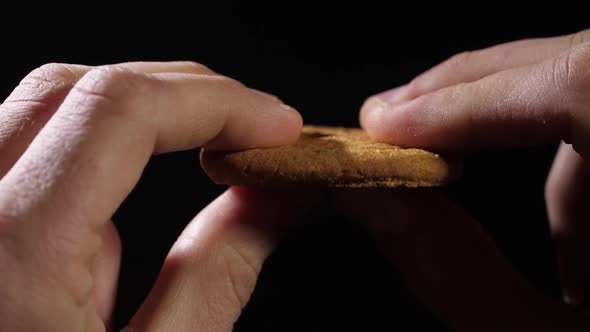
330 157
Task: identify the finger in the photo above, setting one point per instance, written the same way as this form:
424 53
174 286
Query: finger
39 94
471 66
91 153
567 191
30 106
187 67
452 265
105 269
212 268
540 103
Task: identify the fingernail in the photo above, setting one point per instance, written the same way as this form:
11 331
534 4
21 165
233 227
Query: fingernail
287 107
394 95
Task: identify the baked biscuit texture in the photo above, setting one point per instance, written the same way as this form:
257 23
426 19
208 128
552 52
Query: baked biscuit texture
331 157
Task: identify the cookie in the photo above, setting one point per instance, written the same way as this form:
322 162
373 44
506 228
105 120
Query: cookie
330 157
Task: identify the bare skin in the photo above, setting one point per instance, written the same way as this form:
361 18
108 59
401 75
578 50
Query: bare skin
516 94
74 141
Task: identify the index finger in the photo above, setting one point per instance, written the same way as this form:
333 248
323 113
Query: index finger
471 66
91 153
540 103
24 113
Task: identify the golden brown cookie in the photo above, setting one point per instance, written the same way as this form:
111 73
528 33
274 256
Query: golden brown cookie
333 157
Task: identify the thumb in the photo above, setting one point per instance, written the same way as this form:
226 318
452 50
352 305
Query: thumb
452 265
212 269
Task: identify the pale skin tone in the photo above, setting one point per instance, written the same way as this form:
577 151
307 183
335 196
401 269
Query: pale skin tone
512 95
74 140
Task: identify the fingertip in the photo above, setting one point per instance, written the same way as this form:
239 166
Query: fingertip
282 126
373 116
387 123
293 123
273 125
278 123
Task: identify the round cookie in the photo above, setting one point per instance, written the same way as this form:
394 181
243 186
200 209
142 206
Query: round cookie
331 157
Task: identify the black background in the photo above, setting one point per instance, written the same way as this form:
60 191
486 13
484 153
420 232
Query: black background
326 275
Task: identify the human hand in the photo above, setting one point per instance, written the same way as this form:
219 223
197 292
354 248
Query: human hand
516 94
74 141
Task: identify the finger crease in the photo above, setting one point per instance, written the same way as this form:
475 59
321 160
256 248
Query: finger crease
232 281
251 266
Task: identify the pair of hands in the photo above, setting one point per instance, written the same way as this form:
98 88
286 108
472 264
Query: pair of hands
75 139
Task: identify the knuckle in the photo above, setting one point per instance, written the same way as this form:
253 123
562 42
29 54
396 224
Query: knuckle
111 88
229 82
113 83
579 37
419 83
459 60
224 83
196 67
44 85
579 68
571 72
52 73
